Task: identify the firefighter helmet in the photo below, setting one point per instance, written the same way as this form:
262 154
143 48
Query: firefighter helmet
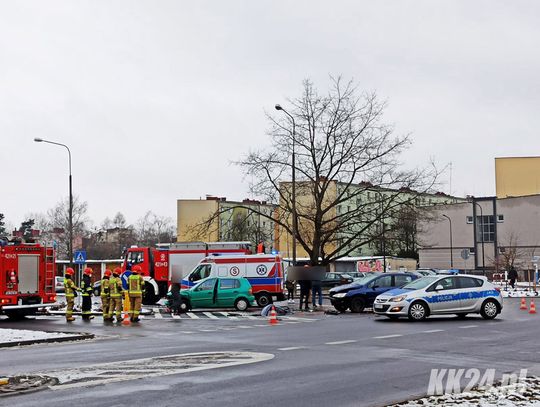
88 271
107 273
117 271
137 269
70 271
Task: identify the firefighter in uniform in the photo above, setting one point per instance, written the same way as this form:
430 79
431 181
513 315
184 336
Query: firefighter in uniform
86 288
105 295
70 290
135 290
115 292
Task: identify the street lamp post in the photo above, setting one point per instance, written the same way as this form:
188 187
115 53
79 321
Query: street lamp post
482 237
293 176
451 243
70 220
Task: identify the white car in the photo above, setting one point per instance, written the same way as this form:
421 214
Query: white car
441 294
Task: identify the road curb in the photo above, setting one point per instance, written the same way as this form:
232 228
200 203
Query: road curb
73 336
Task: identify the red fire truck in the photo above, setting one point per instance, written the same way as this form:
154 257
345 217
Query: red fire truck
26 278
172 262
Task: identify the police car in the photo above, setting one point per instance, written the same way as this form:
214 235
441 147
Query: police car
441 294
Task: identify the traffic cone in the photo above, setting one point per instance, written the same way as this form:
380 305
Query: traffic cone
126 320
273 316
523 303
533 307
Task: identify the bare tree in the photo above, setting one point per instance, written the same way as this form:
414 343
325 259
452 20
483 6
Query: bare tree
349 177
512 254
152 229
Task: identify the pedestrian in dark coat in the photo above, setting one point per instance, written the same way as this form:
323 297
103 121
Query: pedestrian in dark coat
305 289
512 276
176 299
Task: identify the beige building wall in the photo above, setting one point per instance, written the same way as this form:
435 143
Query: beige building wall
191 212
517 225
517 176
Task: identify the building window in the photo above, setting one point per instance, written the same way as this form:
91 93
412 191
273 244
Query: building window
485 229
500 218
469 220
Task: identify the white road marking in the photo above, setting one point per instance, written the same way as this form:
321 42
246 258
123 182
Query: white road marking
207 330
340 342
301 319
158 315
433 331
98 374
387 336
261 325
293 348
249 317
244 326
468 326
176 316
210 315
192 315
187 332
226 314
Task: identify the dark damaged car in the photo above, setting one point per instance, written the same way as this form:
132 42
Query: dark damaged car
362 292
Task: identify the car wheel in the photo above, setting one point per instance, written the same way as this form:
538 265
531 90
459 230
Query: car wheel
357 305
341 308
184 306
241 304
461 315
263 300
489 309
417 311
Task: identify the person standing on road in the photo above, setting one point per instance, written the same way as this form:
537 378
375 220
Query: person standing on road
135 290
512 275
70 290
176 299
105 295
290 285
316 290
86 288
115 293
305 289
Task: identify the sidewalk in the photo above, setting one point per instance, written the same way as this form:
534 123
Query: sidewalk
19 337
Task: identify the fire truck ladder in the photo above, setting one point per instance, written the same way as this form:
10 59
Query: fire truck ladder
49 270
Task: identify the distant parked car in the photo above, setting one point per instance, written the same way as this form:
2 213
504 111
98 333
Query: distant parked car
361 294
59 284
427 272
335 279
216 292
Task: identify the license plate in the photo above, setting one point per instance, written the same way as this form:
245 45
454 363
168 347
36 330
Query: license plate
378 306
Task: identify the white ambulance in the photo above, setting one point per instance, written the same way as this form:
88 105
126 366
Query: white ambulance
264 272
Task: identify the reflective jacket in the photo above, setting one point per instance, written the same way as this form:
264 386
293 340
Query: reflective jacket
105 287
86 286
115 287
135 285
70 287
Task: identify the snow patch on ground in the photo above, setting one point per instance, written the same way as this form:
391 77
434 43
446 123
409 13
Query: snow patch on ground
18 335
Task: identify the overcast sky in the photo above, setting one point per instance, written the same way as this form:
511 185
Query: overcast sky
156 98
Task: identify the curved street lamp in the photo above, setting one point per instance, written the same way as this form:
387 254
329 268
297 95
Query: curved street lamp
70 220
451 242
293 176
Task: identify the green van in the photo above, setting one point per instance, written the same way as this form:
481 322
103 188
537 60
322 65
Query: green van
216 292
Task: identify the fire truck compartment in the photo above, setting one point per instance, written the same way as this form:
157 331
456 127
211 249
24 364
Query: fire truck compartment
28 273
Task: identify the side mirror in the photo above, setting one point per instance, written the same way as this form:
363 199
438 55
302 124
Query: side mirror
375 286
439 287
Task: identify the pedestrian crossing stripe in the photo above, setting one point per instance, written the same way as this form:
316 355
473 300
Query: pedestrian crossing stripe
213 315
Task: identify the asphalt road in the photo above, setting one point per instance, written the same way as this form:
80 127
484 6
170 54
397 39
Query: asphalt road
319 360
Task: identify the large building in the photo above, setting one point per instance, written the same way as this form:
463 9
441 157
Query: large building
216 219
517 176
487 234
365 196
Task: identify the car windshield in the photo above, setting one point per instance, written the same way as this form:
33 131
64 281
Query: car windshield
420 283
